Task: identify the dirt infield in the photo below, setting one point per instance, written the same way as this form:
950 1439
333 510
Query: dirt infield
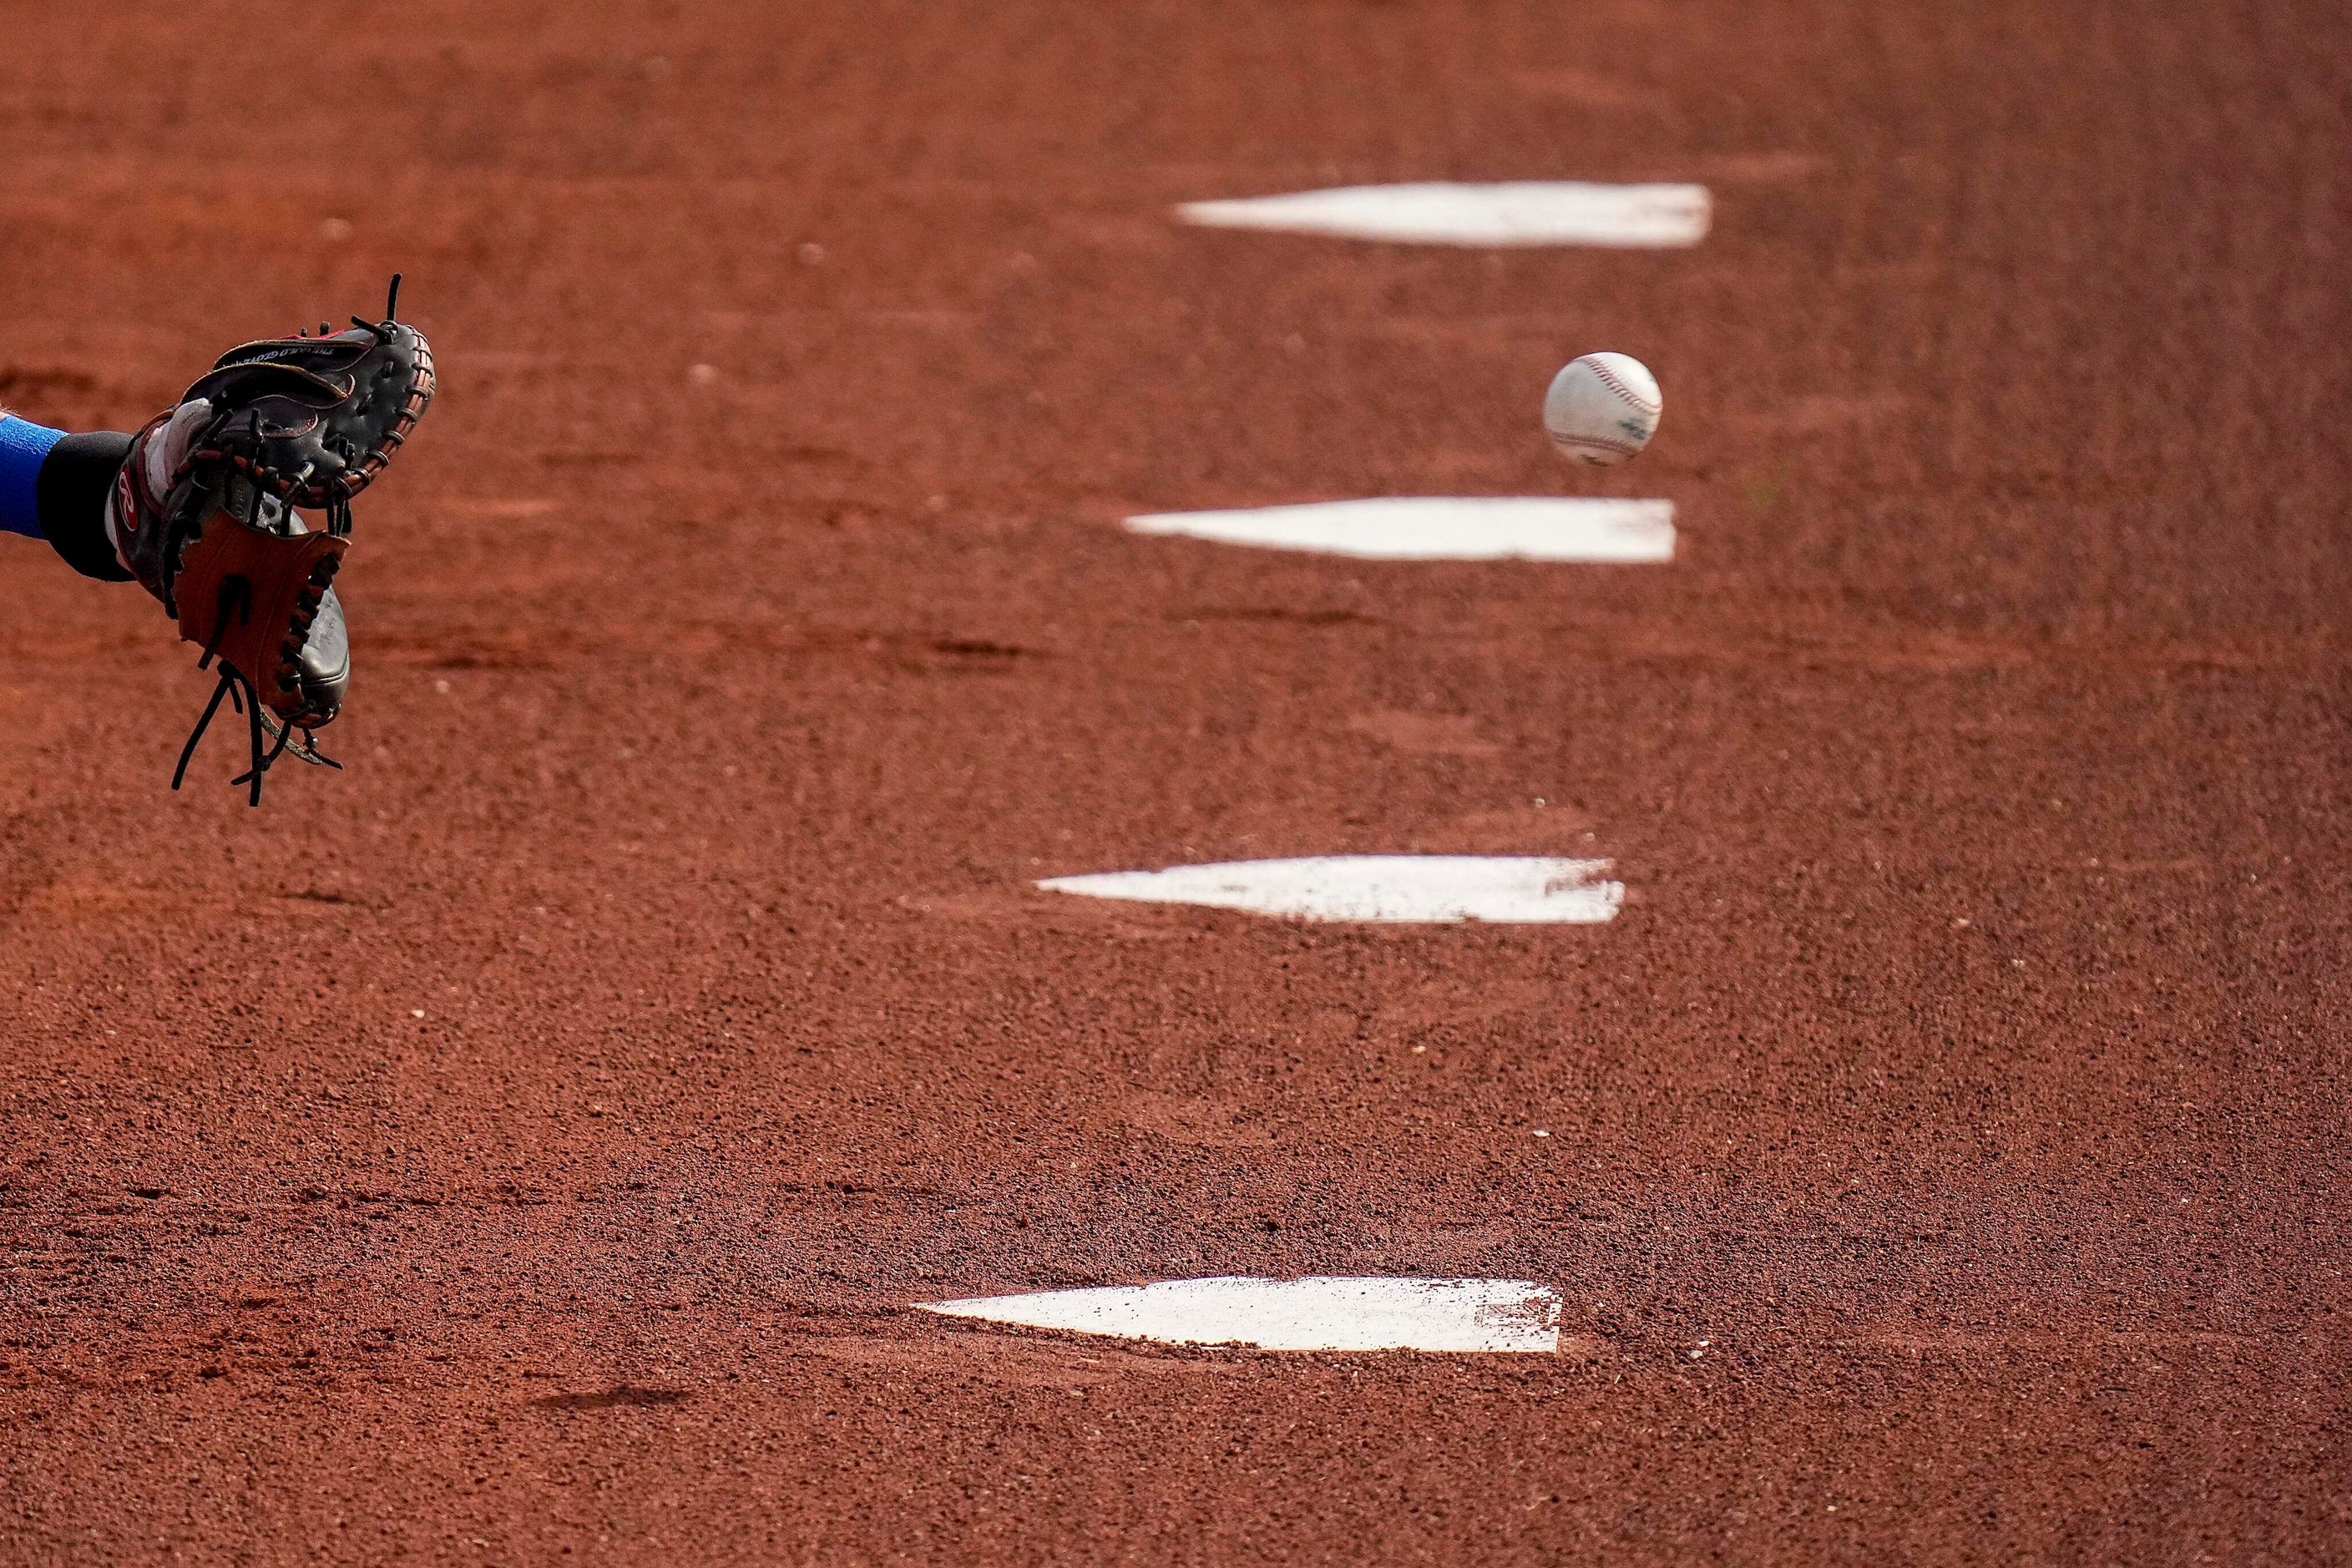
527 1145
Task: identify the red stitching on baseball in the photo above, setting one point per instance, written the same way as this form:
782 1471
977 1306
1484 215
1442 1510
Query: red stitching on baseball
1622 390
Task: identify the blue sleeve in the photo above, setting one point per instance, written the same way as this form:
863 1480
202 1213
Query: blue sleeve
24 447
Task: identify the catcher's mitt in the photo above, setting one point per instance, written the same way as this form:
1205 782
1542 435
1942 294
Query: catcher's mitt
204 515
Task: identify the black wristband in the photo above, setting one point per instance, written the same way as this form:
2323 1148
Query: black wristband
74 481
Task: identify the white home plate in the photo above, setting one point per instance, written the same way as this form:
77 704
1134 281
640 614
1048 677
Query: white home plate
1521 890
1442 528
1312 1314
1519 212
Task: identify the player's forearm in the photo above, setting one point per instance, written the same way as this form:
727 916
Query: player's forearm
54 485
24 447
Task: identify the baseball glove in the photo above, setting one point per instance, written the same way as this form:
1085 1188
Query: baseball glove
205 515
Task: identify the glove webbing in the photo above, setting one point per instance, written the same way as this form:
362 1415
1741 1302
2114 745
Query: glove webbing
236 595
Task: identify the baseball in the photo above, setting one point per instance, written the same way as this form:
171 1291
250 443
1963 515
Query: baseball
1602 409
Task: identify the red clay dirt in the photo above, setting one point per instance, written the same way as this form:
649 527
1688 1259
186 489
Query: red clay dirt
525 1147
